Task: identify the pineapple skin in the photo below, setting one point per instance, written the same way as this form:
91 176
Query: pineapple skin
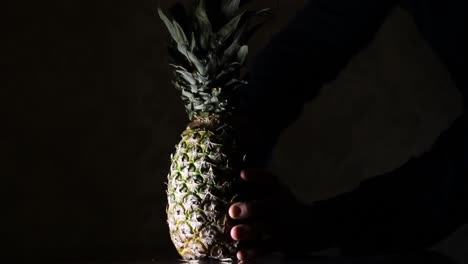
201 187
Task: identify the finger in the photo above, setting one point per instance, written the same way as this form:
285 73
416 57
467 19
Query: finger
259 183
255 249
243 211
245 232
245 254
257 175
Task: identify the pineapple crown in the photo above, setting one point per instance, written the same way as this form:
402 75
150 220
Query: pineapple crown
207 51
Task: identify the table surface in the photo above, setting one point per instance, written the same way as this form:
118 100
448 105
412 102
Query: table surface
423 257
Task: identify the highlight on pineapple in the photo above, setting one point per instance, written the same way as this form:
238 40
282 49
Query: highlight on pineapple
207 51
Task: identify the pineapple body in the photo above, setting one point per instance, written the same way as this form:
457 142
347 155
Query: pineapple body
201 186
207 50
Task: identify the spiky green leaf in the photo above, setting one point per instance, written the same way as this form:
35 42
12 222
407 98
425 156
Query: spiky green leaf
186 76
196 62
178 13
233 48
177 85
232 81
242 54
195 89
203 25
193 42
178 67
262 12
170 27
199 106
227 30
212 64
182 38
187 95
229 8
225 75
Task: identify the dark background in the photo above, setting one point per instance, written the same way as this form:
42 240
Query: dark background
91 119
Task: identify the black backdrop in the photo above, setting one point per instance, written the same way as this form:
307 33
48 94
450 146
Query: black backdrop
89 119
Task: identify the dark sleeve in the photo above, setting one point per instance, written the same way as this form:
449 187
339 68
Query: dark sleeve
412 207
315 46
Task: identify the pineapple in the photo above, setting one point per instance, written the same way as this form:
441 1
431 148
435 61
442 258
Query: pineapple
207 52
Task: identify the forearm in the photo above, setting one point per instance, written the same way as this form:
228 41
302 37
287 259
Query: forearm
411 207
311 51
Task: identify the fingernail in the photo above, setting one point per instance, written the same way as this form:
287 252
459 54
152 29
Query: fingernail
233 234
242 255
243 174
239 255
236 211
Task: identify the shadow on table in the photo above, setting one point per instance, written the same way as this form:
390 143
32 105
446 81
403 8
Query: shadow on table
423 257
426 257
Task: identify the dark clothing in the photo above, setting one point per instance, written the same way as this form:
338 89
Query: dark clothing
413 206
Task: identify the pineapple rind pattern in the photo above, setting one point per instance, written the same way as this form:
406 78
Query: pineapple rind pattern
207 49
200 190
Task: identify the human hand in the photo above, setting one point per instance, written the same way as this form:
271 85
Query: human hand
267 218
